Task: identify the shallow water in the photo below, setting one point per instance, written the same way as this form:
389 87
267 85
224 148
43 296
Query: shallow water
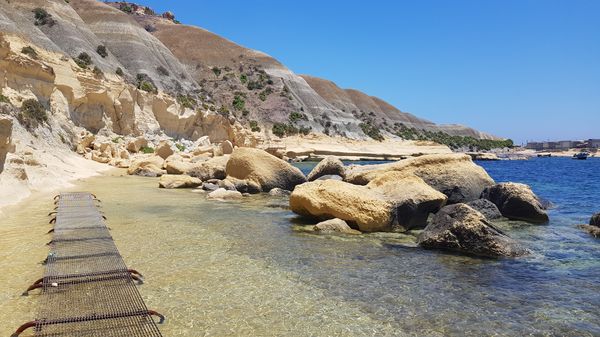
240 268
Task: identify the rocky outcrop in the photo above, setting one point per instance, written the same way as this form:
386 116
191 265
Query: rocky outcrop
151 166
516 201
213 168
455 175
412 198
223 194
178 181
593 227
369 210
5 139
334 226
486 207
462 229
263 169
330 165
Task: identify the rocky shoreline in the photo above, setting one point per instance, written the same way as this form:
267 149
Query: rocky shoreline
451 201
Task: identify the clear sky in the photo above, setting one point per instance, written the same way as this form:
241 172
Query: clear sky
523 69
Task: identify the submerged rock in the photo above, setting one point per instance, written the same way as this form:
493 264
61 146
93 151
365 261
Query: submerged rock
279 192
462 229
326 199
244 186
516 201
178 181
455 175
595 220
486 207
223 194
210 186
147 166
412 198
331 165
263 169
334 226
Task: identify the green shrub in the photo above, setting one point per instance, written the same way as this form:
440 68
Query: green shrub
83 60
126 8
101 50
32 113
180 147
97 72
223 111
145 83
238 102
29 51
147 149
296 116
186 101
117 140
4 99
254 126
216 71
243 78
119 71
265 93
42 17
371 131
279 129
162 71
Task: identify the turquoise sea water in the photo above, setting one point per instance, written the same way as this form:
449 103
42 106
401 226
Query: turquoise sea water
246 268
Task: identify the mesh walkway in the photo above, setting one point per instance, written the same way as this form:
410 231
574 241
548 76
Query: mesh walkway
87 290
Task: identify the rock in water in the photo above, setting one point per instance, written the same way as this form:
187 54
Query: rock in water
331 165
244 186
486 207
595 220
147 166
516 201
460 228
264 169
213 168
223 194
334 226
455 175
412 198
178 181
326 199
278 192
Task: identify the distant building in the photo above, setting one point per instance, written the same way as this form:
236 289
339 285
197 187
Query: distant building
594 143
534 146
564 144
549 145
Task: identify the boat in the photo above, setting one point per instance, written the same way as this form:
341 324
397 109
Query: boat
544 155
581 155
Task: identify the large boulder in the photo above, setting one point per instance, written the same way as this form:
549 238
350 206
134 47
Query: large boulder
137 144
163 149
455 175
244 186
150 166
213 168
486 207
461 228
5 139
412 198
178 181
368 209
330 165
177 165
334 226
516 201
264 169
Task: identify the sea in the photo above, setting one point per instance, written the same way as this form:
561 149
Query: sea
250 268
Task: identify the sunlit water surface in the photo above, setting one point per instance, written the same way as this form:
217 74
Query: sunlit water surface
246 268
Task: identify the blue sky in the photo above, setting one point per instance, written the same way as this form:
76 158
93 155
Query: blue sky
523 69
